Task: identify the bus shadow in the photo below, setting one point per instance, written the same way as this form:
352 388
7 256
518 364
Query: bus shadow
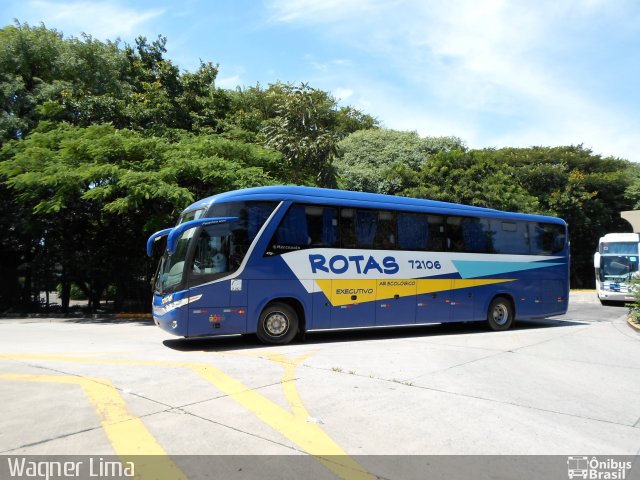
422 331
248 342
213 344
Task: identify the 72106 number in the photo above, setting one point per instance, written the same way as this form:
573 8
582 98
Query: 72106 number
425 265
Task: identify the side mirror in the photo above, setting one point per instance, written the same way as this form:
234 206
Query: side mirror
155 237
596 260
175 232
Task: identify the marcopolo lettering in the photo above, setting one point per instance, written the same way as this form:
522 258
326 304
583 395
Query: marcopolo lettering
340 264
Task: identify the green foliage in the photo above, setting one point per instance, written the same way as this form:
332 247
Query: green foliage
384 161
85 81
473 178
634 312
26 67
302 131
584 189
94 194
76 293
303 123
632 192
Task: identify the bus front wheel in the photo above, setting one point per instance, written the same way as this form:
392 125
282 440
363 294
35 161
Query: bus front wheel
278 324
500 314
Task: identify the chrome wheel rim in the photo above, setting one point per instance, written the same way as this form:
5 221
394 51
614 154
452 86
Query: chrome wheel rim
500 314
276 324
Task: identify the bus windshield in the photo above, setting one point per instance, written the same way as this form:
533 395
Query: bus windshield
171 266
618 268
217 249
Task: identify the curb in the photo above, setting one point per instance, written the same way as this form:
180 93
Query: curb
133 315
633 324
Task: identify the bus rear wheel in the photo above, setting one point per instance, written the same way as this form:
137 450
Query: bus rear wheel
278 324
500 314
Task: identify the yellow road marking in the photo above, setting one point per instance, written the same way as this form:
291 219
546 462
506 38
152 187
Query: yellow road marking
344 466
289 386
72 359
308 436
127 434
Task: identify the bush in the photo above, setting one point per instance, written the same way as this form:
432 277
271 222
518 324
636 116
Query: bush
76 292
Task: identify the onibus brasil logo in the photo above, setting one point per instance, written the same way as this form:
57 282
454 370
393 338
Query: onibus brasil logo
596 469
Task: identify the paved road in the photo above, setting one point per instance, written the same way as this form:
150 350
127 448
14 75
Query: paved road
562 386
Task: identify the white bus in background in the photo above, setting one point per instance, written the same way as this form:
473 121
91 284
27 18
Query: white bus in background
616 264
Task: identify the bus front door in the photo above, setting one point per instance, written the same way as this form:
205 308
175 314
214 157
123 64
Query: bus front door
217 309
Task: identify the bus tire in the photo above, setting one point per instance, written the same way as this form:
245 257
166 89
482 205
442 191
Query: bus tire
278 324
500 315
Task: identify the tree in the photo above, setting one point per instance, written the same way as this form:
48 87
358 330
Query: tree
302 123
471 177
99 138
585 189
85 81
28 63
94 195
384 161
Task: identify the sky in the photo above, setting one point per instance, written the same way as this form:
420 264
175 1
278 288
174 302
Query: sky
493 73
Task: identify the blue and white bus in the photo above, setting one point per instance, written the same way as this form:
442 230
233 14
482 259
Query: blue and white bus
281 261
617 266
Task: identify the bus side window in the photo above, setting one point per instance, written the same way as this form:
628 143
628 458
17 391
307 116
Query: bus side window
475 235
305 226
385 234
347 228
322 226
293 230
469 234
546 239
536 238
212 252
413 231
436 238
455 238
256 214
510 237
366 226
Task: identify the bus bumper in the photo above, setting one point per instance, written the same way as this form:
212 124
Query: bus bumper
616 297
170 313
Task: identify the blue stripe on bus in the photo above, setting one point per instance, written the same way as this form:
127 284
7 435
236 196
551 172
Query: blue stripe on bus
474 269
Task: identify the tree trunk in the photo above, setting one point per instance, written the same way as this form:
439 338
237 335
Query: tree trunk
65 295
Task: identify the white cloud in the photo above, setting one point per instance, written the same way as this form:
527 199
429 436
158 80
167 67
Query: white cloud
229 82
315 11
342 93
327 66
103 20
502 70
